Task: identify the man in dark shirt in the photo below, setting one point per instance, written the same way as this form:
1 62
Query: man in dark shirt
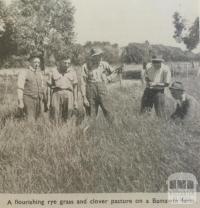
187 107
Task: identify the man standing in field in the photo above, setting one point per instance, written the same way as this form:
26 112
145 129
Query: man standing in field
157 77
95 75
64 92
187 107
30 89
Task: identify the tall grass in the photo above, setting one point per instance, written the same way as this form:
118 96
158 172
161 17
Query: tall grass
137 154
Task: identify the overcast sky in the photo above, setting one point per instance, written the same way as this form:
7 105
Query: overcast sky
124 21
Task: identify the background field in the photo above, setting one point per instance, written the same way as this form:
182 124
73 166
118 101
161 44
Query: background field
136 155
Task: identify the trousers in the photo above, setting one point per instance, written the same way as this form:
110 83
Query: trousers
61 107
153 98
33 107
97 96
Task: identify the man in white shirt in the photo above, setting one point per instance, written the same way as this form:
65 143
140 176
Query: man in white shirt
63 83
158 77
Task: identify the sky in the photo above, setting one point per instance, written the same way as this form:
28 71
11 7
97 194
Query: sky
125 21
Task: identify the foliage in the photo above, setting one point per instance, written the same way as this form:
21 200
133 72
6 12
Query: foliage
7 43
43 25
134 53
111 51
189 36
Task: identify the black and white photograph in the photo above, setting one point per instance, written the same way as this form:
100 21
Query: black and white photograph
99 96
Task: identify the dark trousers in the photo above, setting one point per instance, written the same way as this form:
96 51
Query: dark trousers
33 107
154 98
97 96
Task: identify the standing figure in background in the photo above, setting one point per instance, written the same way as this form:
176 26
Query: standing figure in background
64 92
147 54
146 59
31 89
95 75
158 77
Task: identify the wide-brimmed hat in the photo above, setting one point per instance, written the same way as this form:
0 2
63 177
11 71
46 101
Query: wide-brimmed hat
177 86
95 52
157 58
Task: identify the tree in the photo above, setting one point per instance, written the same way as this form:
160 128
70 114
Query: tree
7 43
2 14
43 26
189 36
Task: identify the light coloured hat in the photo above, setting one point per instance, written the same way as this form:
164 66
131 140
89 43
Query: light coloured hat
177 86
157 59
96 52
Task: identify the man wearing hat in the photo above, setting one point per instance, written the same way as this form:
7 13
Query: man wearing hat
187 107
95 75
31 89
63 83
157 77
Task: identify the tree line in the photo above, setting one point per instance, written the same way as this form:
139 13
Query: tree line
47 26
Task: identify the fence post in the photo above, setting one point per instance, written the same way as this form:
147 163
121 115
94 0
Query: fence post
187 67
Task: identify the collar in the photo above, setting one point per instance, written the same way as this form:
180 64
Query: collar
69 69
183 99
32 69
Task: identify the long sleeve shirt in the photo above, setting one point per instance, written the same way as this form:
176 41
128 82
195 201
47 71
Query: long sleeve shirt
103 73
187 109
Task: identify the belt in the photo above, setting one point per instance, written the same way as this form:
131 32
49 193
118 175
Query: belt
155 90
57 89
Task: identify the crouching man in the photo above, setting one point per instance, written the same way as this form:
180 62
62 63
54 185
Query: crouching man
187 107
63 90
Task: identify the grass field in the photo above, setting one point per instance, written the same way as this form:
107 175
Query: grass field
136 155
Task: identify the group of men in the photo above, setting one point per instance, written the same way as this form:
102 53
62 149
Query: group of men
58 92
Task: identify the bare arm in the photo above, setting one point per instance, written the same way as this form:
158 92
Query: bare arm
20 88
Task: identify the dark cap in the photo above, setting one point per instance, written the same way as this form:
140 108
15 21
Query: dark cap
177 86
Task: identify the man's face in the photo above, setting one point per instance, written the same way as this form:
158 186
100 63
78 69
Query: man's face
176 94
65 64
96 59
157 65
35 63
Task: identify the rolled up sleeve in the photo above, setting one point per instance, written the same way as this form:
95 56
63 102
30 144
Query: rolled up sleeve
167 76
21 80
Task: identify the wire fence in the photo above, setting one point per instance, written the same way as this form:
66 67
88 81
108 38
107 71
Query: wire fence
184 69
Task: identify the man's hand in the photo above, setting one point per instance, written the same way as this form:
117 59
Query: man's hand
85 102
153 84
21 104
156 85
